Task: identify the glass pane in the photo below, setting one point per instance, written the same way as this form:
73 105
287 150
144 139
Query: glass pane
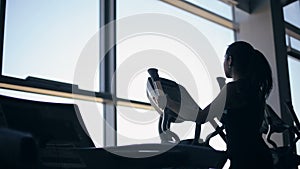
292 13
292 42
214 6
91 112
149 42
137 126
140 51
92 115
45 38
295 43
294 71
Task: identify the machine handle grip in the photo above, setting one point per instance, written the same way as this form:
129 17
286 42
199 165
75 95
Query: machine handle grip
153 74
156 81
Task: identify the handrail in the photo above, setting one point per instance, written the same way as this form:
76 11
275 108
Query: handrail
117 101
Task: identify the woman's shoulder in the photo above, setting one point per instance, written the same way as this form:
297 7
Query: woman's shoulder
238 94
241 85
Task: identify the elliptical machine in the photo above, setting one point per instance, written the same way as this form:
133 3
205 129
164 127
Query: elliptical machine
162 86
284 157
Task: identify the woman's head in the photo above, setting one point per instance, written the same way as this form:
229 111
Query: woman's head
243 61
238 58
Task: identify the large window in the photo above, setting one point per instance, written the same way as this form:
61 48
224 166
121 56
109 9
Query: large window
294 71
49 42
292 17
292 20
45 39
157 34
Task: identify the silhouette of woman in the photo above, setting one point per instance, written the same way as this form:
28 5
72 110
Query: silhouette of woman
245 104
242 104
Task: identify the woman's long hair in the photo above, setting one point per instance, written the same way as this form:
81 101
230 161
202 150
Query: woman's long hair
251 64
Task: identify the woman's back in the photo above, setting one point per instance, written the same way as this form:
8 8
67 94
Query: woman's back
242 118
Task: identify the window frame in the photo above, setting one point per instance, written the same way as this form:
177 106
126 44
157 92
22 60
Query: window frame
294 32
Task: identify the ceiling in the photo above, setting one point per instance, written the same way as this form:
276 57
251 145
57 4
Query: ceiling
247 5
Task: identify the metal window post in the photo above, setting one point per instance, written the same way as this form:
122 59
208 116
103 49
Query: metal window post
107 69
